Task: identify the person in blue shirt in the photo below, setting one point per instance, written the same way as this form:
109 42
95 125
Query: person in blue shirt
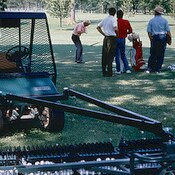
158 29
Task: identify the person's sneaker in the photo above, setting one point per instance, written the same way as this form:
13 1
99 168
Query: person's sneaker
80 62
128 71
118 73
147 71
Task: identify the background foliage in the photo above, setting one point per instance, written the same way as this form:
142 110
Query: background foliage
67 8
100 6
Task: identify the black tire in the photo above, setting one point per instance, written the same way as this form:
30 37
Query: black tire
52 120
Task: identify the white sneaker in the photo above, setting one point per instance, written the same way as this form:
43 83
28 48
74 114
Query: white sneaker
147 71
118 73
128 71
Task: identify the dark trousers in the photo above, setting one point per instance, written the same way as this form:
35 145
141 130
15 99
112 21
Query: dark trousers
157 52
79 48
108 53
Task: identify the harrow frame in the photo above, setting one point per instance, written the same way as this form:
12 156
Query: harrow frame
124 160
121 116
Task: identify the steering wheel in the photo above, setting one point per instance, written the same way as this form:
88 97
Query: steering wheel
17 53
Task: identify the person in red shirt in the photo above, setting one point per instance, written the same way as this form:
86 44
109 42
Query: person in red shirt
124 28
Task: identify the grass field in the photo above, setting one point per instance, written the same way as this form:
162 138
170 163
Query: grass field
151 95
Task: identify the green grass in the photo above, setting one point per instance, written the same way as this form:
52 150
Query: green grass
147 94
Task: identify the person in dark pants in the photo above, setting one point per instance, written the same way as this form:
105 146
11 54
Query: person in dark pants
78 30
108 28
157 29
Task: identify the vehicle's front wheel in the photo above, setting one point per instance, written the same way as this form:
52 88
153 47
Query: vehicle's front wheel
52 120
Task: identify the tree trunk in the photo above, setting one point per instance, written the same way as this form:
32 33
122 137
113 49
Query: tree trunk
72 12
71 19
61 24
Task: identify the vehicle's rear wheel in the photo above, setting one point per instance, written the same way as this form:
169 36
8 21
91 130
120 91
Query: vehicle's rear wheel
52 120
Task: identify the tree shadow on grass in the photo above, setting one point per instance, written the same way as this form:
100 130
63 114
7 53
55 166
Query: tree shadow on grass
151 95
147 94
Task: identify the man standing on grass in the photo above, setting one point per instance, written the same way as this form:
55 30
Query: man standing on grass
78 30
124 28
108 28
157 29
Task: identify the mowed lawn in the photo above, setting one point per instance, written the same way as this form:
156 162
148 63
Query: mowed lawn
151 95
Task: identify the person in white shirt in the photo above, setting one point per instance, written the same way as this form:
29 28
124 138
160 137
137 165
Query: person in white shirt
108 28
